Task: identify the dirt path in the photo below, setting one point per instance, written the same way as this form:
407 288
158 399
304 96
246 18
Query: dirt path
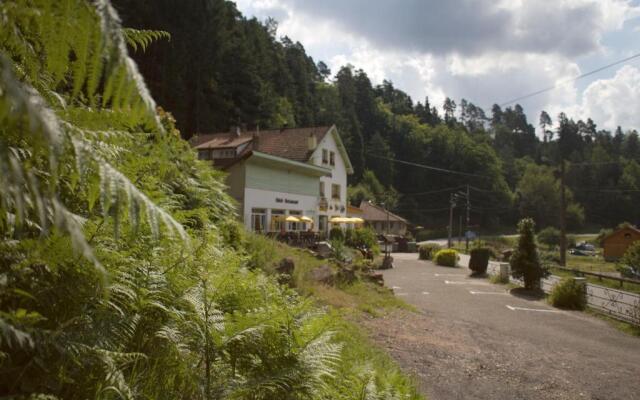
473 340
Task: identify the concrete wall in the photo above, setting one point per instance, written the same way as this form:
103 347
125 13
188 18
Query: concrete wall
280 180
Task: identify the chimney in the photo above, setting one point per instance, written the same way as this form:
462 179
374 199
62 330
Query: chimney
255 140
284 126
312 142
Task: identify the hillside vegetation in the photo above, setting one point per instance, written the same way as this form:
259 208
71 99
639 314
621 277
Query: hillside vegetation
221 69
122 274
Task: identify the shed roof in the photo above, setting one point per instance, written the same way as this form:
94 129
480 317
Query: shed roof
616 231
372 212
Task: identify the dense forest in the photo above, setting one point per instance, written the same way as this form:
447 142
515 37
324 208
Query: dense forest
221 69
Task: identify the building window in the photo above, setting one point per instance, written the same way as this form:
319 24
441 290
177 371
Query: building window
204 154
335 191
332 158
321 189
258 219
278 223
325 156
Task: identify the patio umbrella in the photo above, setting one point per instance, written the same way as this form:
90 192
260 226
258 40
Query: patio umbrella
357 220
306 219
291 218
339 220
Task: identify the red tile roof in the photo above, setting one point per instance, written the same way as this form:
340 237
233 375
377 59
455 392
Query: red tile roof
290 143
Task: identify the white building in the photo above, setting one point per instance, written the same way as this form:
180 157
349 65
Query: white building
284 180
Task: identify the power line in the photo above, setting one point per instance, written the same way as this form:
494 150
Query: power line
433 191
429 167
550 88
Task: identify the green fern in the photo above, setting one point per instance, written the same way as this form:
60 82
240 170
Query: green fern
143 37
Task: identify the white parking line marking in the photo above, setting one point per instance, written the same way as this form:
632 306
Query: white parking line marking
513 308
402 294
425 292
465 283
502 293
396 287
449 275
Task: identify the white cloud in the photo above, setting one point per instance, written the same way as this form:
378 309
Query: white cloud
615 101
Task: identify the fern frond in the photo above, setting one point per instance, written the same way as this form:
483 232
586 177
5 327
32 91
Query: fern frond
143 37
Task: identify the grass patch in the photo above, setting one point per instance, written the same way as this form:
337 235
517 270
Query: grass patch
610 283
499 280
622 326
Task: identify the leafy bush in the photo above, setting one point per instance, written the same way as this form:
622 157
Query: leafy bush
631 257
427 251
568 293
525 260
549 236
336 233
479 260
446 258
362 237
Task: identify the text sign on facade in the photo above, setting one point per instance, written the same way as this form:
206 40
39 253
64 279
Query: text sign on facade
287 201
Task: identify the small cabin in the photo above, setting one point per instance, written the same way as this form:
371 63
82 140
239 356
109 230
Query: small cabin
617 243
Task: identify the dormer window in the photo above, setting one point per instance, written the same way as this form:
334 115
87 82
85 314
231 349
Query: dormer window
325 156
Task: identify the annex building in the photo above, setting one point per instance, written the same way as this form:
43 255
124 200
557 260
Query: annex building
284 180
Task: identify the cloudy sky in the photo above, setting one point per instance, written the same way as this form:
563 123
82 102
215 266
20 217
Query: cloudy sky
487 51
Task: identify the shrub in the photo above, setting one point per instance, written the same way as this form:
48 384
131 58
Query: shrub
569 294
427 251
549 236
631 257
446 257
525 261
336 233
480 259
362 237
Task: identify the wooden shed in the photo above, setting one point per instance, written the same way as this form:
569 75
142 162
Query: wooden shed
617 243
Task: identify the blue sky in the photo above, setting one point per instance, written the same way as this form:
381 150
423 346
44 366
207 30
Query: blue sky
487 51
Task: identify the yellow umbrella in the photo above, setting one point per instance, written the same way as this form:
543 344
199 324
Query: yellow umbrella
306 219
291 218
357 220
339 220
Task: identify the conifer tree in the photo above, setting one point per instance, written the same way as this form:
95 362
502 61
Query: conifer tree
525 261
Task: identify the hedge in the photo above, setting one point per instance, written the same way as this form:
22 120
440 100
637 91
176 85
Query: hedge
446 258
427 251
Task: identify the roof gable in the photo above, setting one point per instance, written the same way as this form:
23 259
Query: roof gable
629 229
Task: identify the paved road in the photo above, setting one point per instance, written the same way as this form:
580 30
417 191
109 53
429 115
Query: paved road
474 340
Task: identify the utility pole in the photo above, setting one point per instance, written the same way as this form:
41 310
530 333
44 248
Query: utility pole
387 238
451 205
468 218
460 229
563 217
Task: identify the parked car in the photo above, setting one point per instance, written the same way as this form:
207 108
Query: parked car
583 249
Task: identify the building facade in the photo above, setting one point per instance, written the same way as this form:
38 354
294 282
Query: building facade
617 243
381 220
283 180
